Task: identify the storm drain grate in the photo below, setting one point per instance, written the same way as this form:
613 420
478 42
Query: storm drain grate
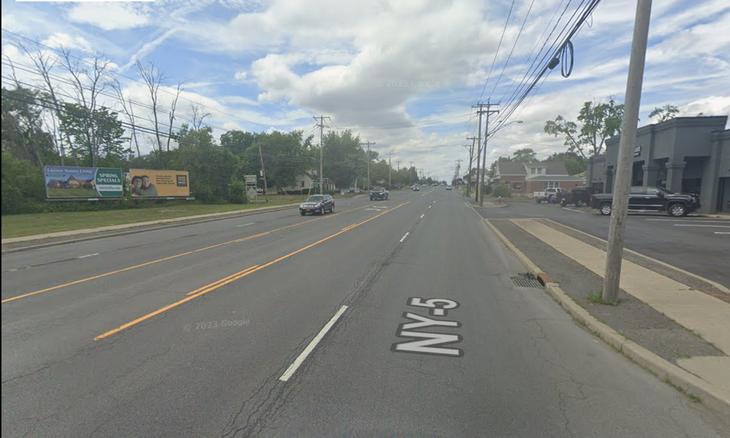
523 281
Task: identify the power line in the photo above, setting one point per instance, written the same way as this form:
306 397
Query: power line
513 48
497 51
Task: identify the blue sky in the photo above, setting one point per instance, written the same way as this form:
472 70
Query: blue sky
403 74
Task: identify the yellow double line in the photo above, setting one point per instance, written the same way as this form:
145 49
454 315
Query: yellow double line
142 265
231 278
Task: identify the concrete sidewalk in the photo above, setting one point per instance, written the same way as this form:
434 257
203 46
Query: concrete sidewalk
700 313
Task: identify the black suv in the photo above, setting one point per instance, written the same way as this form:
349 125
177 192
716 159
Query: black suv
650 199
579 196
317 204
378 193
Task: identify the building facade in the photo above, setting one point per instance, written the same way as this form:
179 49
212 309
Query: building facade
684 154
524 179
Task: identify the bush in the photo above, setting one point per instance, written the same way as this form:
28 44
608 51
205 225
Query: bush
502 191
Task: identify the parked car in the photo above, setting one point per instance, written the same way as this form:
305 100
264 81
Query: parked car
650 199
378 193
549 195
317 204
579 196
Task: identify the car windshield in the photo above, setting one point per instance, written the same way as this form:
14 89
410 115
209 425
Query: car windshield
316 198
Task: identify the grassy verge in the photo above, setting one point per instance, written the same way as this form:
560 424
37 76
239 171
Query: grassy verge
42 223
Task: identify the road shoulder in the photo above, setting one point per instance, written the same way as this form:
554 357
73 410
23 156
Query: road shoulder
674 353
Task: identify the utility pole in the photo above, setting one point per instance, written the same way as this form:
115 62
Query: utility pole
456 173
471 159
484 155
409 173
390 171
321 150
263 174
367 143
624 165
479 147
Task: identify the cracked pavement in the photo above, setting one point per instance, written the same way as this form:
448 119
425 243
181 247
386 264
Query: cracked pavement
527 369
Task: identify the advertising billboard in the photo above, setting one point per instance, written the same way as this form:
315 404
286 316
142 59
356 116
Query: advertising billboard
64 182
148 183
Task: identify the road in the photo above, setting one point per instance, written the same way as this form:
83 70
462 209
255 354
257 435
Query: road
695 244
390 318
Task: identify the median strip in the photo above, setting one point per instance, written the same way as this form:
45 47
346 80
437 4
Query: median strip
164 259
231 278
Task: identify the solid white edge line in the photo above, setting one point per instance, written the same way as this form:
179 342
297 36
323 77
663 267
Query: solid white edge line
404 236
89 255
702 226
424 214
302 357
722 232
570 209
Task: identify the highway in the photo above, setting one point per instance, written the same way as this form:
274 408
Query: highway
384 318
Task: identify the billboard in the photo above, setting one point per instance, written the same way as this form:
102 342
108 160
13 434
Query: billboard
83 182
148 183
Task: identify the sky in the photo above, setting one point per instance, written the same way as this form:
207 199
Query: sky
401 73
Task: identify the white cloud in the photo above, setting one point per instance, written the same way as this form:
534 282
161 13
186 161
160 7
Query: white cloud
241 75
110 15
66 41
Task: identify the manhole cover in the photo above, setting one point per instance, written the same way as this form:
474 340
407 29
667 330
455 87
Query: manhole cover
523 281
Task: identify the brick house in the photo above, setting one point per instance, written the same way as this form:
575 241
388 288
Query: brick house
523 179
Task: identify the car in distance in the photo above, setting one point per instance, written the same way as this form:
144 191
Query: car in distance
448 187
549 195
378 193
317 204
416 188
650 199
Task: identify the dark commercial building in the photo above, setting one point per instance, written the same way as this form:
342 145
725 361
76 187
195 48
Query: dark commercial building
684 154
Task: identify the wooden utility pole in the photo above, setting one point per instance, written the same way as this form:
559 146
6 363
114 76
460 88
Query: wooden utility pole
390 171
479 147
321 151
263 174
368 143
471 160
484 155
624 165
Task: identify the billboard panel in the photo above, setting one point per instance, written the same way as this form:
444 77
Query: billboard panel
64 182
159 183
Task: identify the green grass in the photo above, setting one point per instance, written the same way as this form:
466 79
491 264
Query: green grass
42 223
597 298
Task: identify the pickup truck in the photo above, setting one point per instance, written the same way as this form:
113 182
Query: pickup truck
650 199
549 195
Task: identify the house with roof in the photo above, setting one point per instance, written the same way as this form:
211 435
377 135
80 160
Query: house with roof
527 178
306 180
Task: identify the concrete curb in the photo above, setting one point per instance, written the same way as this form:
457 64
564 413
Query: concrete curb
668 372
83 235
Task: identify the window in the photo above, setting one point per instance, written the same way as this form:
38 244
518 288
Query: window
517 186
301 184
533 170
551 185
540 170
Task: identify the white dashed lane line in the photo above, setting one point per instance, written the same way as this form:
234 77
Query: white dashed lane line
404 237
89 255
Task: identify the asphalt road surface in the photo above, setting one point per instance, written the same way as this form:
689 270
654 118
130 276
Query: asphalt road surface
696 244
387 318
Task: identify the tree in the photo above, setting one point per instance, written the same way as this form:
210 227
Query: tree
344 158
105 147
285 157
153 78
524 155
664 113
22 127
599 121
574 163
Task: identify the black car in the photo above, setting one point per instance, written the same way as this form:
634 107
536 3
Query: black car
378 193
650 199
579 196
317 204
